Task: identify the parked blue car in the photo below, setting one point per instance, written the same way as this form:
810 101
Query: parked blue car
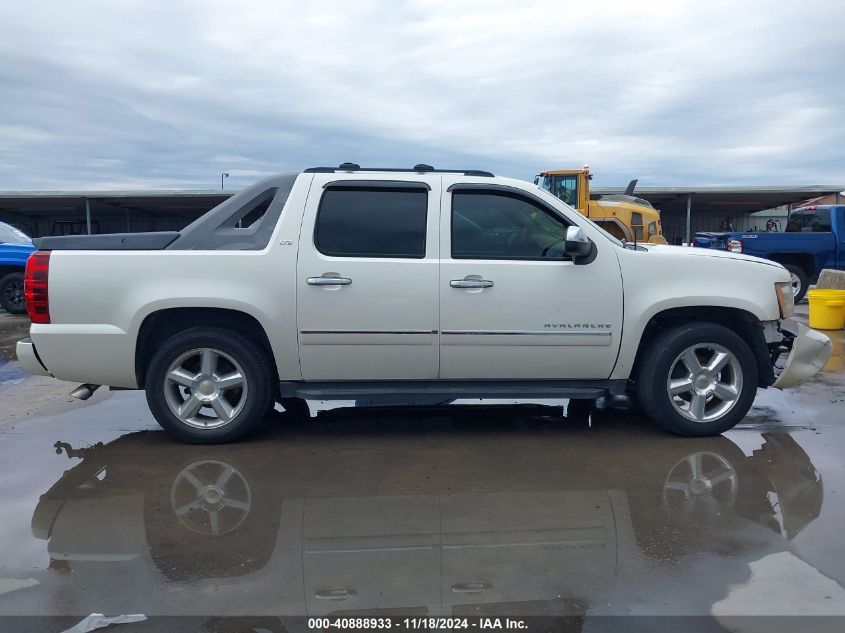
814 239
15 249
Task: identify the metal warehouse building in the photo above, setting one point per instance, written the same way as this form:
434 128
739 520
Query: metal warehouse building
684 210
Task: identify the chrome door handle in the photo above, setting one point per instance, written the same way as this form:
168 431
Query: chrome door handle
471 587
328 281
470 283
335 594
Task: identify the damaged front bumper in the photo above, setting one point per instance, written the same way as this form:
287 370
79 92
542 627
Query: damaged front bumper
800 355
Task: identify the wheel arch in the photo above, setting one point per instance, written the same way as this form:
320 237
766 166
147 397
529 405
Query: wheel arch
160 325
804 261
744 323
5 269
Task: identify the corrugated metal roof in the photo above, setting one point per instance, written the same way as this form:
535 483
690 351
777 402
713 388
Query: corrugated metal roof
119 193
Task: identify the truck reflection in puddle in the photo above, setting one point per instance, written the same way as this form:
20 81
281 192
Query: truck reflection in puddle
460 516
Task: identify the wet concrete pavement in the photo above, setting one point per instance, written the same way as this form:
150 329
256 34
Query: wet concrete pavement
461 510
12 329
22 395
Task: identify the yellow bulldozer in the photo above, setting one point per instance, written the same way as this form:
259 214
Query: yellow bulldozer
622 215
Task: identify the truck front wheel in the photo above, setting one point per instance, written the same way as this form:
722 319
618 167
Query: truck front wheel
208 385
697 379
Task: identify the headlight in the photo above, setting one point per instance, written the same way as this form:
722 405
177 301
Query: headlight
786 298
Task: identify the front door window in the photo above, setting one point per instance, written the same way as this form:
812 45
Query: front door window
493 225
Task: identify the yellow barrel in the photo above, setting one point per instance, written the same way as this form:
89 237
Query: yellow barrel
827 309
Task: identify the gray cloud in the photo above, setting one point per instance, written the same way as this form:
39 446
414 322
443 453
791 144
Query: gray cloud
153 95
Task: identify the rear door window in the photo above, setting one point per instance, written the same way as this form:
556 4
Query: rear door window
809 221
372 222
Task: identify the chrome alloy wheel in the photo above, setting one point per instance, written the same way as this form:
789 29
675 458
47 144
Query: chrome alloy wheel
210 497
205 388
704 382
701 482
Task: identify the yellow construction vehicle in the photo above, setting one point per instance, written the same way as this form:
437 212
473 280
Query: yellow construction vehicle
622 215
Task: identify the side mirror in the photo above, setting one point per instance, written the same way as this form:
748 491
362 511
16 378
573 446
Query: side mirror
578 246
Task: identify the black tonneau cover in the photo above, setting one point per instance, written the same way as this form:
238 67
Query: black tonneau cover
107 242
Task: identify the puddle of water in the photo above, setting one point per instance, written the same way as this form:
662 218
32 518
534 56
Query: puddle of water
12 329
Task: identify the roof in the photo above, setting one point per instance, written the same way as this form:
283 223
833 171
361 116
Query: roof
715 199
56 203
117 193
416 169
724 200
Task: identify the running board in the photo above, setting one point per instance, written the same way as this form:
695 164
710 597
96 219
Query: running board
527 389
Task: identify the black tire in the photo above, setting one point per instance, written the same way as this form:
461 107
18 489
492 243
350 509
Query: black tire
662 355
799 280
11 293
257 374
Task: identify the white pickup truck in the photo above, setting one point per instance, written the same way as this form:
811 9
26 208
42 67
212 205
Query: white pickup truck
420 284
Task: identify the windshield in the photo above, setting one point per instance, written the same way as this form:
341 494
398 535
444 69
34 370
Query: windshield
565 187
10 235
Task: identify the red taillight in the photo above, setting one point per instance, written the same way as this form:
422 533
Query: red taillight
35 286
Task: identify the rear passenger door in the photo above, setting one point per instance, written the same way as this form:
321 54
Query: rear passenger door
367 278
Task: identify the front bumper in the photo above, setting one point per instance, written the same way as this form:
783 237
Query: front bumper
809 354
28 357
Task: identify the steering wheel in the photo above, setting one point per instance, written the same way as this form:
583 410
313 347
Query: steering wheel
514 239
550 246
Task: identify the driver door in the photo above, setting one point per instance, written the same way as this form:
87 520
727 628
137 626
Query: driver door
512 304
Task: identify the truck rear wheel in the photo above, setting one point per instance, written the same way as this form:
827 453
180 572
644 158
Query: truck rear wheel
208 385
697 379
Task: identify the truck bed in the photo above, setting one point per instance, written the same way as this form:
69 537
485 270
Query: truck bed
813 241
819 249
761 243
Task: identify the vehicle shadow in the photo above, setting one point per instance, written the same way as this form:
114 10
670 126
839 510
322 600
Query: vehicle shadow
572 418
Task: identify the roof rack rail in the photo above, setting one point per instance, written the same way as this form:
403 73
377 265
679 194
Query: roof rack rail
420 168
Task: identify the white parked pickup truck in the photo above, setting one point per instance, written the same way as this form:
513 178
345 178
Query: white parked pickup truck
420 284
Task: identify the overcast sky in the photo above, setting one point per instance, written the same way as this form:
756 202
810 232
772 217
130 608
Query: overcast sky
170 94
